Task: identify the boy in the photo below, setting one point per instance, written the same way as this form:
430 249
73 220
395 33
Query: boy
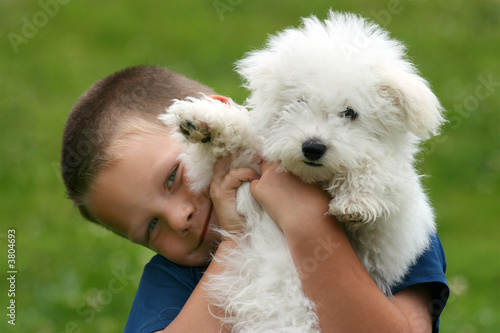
121 170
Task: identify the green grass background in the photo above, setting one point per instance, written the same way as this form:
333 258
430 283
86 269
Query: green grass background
75 277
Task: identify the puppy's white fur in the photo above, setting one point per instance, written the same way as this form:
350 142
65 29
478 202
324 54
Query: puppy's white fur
346 86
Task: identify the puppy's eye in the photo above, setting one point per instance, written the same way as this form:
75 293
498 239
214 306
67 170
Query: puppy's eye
349 114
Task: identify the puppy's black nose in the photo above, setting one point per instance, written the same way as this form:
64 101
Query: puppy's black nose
313 150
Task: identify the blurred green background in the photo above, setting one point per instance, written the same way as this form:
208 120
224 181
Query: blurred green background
75 277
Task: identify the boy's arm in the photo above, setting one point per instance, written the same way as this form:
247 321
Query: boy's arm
333 277
347 299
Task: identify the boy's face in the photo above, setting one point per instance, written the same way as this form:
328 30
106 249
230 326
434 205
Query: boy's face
144 196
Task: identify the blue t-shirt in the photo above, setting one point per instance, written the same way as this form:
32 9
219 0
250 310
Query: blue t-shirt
165 287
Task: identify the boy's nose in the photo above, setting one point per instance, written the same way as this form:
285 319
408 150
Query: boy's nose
180 210
180 219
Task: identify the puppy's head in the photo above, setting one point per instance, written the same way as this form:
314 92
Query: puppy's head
335 95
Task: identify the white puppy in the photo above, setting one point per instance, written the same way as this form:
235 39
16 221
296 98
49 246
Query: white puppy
338 103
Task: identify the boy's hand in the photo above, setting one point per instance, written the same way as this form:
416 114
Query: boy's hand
223 188
291 204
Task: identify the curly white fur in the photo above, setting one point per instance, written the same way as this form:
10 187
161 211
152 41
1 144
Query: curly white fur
338 104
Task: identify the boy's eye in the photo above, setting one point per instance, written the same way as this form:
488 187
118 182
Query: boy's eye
171 178
152 225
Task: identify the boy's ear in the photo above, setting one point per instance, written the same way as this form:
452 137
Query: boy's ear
223 99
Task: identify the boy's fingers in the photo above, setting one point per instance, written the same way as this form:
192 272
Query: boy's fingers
237 176
232 177
221 168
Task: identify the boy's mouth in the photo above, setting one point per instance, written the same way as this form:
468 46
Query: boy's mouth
205 227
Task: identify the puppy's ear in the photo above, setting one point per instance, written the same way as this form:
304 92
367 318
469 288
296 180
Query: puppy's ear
259 70
421 111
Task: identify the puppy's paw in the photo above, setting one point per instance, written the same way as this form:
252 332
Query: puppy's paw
195 130
351 218
352 212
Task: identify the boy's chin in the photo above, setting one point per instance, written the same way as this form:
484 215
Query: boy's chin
203 259
207 249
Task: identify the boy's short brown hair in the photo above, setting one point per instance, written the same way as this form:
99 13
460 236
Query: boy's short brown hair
137 94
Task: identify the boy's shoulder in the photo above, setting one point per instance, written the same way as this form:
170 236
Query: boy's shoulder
165 275
163 290
430 269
